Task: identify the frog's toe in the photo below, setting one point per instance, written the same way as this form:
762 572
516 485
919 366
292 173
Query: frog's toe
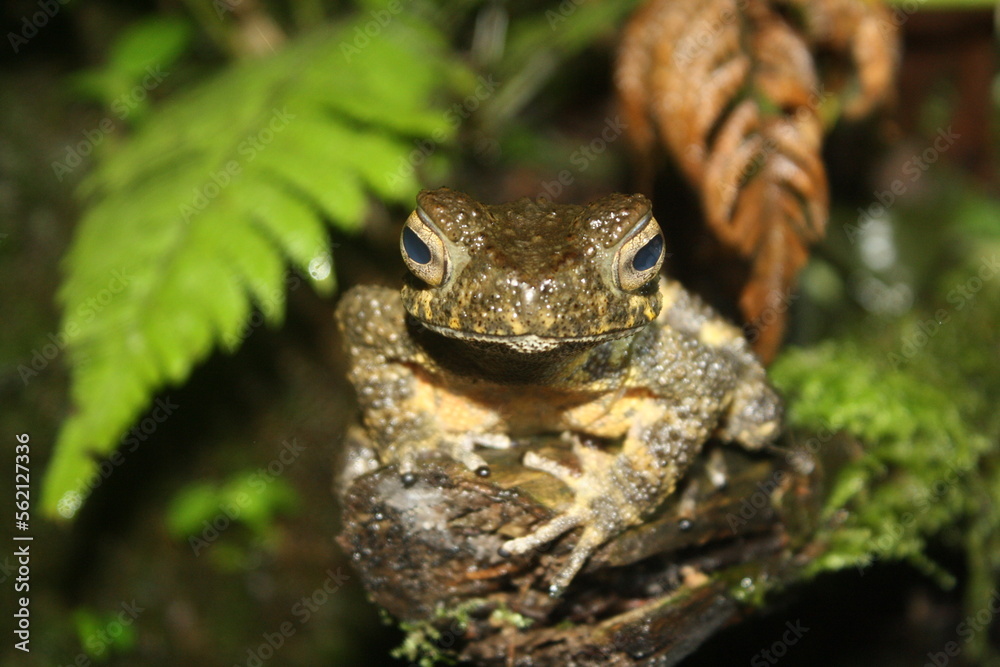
473 462
462 449
589 541
493 440
544 534
563 473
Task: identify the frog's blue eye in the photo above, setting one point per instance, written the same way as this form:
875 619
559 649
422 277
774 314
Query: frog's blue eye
649 254
638 260
423 250
415 248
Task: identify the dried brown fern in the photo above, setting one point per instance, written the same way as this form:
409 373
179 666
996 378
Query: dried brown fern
731 89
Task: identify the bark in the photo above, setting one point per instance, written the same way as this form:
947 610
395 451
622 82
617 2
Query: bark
427 553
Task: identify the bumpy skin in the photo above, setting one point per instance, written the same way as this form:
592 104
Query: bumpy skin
531 332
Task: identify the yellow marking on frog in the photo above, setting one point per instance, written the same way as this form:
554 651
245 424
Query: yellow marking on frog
612 420
669 291
716 334
453 412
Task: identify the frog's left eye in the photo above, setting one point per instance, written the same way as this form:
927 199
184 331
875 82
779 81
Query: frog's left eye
640 257
422 249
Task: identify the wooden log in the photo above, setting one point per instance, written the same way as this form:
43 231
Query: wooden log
428 554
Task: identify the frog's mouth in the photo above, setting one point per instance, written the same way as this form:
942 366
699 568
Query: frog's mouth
532 343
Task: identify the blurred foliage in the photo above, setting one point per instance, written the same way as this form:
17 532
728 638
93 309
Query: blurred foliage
203 511
134 66
103 634
250 497
919 392
189 224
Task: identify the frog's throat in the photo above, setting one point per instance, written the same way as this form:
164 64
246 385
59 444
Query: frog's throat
532 343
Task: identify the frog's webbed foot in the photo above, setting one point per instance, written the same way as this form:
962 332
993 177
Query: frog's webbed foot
461 447
609 496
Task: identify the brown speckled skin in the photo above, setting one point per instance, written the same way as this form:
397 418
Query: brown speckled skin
444 369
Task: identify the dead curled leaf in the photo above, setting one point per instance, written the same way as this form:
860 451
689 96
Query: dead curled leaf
732 90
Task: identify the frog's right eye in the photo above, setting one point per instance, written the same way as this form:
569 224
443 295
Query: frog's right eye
640 257
423 251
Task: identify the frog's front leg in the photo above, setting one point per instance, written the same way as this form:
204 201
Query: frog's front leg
408 411
438 422
612 491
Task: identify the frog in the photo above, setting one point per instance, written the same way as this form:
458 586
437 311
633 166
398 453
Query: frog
528 318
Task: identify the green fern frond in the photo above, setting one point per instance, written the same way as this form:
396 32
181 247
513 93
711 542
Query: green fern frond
192 222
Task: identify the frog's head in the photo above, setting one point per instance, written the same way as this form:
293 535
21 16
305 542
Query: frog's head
532 276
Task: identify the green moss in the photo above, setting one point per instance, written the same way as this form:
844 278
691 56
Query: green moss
431 642
919 393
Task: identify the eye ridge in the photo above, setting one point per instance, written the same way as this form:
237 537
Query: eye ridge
648 255
416 248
